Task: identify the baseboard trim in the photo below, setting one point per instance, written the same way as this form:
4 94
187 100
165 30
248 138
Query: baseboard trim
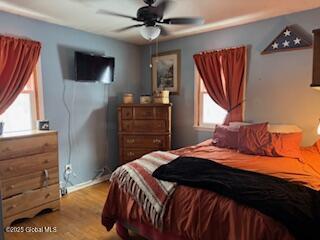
88 183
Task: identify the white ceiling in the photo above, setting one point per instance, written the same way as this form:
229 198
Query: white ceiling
81 14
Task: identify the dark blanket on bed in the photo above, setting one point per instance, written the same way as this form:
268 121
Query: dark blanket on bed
295 206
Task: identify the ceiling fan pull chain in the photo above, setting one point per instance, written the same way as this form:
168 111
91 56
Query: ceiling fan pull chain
157 48
150 48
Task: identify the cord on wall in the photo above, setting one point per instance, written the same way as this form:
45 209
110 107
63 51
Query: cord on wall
106 104
67 171
105 170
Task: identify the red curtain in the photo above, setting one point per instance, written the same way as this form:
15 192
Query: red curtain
18 58
223 74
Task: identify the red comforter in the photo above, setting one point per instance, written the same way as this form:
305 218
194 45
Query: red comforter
200 214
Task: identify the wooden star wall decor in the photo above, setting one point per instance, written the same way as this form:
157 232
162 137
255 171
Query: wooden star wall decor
291 38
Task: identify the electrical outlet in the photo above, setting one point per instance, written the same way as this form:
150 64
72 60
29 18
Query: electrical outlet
68 169
64 191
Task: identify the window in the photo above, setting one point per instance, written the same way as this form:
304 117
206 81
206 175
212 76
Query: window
207 112
26 109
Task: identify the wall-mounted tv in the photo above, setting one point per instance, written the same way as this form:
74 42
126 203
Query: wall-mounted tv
94 68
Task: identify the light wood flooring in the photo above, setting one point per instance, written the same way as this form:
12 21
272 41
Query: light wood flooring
78 218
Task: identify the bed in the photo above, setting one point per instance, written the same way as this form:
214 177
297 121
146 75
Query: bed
200 214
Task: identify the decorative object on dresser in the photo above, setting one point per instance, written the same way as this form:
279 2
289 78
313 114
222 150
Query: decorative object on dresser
29 174
316 60
290 38
161 97
143 128
127 98
43 125
166 69
145 99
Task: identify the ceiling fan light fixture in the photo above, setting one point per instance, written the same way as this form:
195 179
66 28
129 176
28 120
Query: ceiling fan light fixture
150 32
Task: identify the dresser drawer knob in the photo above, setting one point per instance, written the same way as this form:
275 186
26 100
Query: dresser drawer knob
156 141
10 168
130 141
131 154
46 161
46 179
47 195
6 150
12 187
12 207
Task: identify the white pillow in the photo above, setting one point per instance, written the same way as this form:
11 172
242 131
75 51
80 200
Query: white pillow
274 128
238 124
283 128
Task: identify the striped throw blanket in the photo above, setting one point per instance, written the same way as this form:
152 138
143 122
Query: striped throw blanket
150 193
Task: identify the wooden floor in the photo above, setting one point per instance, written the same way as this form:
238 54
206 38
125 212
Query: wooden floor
78 218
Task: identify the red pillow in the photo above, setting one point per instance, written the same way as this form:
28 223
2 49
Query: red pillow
255 139
225 137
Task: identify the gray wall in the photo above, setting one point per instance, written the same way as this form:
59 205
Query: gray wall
91 120
278 84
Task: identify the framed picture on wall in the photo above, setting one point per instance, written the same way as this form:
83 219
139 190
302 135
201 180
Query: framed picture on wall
166 71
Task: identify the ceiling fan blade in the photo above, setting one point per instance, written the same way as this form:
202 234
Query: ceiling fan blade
164 31
127 28
162 7
106 12
184 20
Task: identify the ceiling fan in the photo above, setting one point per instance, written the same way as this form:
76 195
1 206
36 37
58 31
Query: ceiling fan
152 21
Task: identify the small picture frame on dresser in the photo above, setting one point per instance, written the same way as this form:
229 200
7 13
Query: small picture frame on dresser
43 125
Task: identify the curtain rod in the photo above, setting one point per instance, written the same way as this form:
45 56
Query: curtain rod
18 37
222 49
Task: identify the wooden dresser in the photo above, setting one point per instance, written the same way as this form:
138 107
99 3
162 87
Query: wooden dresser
143 128
29 174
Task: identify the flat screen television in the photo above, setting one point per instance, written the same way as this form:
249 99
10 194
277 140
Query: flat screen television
94 68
